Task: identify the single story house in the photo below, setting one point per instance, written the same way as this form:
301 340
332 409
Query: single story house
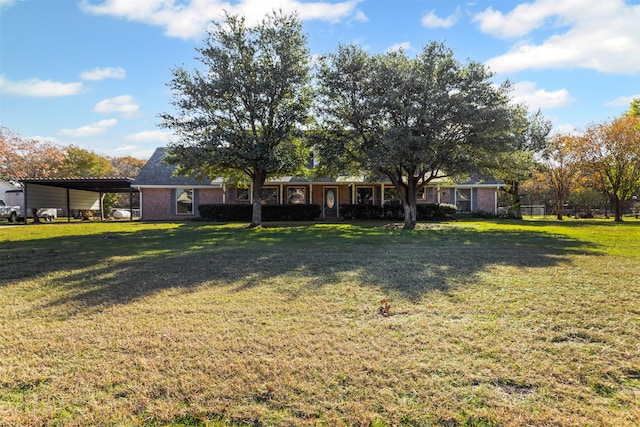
164 196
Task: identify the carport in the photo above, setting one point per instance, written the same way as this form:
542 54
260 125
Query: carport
73 193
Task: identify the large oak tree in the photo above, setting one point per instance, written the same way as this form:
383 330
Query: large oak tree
408 119
242 117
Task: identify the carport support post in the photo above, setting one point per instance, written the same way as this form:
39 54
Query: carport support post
101 208
26 204
130 205
68 207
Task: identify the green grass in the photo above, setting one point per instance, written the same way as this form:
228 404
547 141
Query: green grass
492 323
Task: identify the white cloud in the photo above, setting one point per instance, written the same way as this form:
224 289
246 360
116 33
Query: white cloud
124 104
92 129
39 88
622 101
360 16
6 3
527 93
564 129
431 20
190 19
598 35
158 136
104 73
134 151
404 46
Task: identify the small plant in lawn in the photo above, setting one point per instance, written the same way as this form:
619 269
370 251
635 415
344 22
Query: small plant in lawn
384 307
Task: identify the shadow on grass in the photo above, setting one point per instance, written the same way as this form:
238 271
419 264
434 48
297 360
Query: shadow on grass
107 268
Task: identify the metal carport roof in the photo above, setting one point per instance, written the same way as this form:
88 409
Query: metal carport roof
76 185
98 185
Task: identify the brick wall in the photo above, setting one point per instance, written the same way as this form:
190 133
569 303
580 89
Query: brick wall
157 203
486 200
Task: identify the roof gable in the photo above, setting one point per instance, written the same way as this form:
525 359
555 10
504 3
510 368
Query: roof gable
157 173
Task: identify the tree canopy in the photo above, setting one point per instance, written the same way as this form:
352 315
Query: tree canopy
410 120
611 152
634 109
26 157
80 163
560 168
242 117
516 163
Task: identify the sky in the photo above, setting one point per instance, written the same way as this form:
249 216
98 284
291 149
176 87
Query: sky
94 73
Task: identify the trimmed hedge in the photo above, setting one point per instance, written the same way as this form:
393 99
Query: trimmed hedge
395 211
244 212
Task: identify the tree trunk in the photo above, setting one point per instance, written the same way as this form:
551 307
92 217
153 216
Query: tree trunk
618 206
410 215
513 189
34 213
559 208
409 204
256 216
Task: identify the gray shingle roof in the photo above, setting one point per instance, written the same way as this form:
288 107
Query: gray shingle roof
157 173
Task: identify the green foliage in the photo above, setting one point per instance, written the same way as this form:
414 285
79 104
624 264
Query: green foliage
395 211
634 109
81 163
243 212
410 120
611 153
362 211
241 117
516 161
110 201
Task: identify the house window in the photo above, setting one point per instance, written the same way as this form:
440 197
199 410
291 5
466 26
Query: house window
296 195
364 195
242 195
270 195
184 201
463 199
431 195
391 195
420 193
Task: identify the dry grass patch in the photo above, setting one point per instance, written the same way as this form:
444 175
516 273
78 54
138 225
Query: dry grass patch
194 324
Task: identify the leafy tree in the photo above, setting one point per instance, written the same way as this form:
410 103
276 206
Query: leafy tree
410 120
21 157
242 117
81 163
561 169
634 109
516 163
128 166
611 152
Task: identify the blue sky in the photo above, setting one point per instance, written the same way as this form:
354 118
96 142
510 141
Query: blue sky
93 73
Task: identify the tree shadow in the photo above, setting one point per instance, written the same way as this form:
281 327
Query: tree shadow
99 270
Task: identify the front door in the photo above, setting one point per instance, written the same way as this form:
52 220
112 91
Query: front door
330 202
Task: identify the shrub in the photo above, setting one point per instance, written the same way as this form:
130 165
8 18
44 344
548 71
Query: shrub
361 212
482 214
435 212
297 212
395 211
243 212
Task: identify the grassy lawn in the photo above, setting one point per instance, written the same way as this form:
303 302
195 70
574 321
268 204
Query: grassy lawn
491 324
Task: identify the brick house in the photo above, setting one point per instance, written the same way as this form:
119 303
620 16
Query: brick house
164 196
